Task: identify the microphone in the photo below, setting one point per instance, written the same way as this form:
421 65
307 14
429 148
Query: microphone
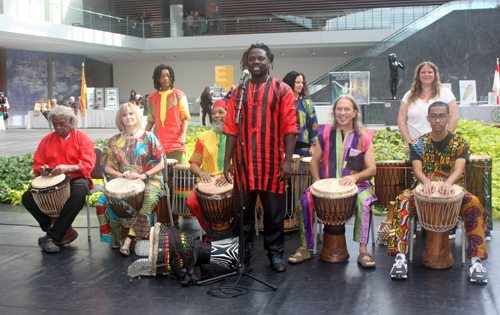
244 75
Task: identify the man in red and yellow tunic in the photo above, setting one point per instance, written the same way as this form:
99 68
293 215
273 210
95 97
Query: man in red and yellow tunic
168 113
269 129
64 151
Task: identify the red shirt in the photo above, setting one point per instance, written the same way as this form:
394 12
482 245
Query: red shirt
268 115
77 149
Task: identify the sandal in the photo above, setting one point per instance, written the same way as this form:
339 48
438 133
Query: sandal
116 245
304 255
365 258
124 251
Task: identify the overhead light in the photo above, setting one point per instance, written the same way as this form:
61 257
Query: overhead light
137 58
345 52
282 54
312 52
222 56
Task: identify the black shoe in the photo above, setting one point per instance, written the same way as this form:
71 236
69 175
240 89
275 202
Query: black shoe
278 265
49 246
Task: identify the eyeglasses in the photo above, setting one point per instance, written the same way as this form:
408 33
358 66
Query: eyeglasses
441 117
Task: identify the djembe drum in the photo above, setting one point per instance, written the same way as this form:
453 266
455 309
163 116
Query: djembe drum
478 174
305 171
438 215
389 181
124 196
183 185
164 248
216 204
292 195
162 207
334 205
51 193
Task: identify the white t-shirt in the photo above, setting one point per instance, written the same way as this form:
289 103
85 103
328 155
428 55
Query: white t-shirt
417 112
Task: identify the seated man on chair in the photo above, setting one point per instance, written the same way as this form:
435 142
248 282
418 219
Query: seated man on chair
65 151
347 134
439 156
207 160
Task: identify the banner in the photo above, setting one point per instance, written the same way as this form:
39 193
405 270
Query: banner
83 102
496 83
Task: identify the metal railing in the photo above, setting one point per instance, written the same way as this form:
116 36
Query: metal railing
402 34
55 11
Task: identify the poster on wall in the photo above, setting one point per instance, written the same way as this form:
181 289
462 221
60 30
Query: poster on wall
224 76
26 74
468 93
99 97
66 76
355 83
90 97
111 97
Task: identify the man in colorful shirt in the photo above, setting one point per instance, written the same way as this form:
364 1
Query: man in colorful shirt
168 112
269 128
439 156
207 160
65 151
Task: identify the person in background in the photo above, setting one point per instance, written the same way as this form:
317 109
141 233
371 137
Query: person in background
132 96
168 113
206 105
4 108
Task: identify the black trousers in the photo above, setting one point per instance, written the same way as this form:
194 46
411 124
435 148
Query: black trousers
274 224
79 188
206 110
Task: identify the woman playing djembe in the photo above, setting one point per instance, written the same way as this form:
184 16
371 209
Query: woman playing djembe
345 151
132 154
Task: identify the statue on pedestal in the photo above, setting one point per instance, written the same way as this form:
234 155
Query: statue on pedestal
393 67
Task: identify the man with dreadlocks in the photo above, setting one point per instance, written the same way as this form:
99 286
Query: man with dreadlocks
269 128
171 103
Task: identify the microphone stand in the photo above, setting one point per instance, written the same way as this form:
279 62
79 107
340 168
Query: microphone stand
242 268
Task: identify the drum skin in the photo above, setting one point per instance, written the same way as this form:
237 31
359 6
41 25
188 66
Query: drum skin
51 199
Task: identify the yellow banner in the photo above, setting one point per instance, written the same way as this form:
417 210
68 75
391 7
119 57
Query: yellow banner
224 76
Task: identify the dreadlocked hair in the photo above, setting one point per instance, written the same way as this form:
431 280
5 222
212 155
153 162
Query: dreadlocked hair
244 58
157 74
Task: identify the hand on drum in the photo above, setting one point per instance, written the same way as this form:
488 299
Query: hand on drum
45 170
446 190
206 177
60 169
131 175
221 181
347 180
428 188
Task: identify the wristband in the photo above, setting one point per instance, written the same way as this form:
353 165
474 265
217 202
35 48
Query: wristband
147 175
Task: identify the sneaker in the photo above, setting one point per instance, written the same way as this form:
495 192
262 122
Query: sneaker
477 273
49 246
488 235
452 234
400 268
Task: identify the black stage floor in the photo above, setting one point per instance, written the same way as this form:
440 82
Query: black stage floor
90 278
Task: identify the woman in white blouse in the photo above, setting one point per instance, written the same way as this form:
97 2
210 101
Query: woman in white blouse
426 89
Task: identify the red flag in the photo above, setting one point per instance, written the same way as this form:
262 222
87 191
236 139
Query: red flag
496 83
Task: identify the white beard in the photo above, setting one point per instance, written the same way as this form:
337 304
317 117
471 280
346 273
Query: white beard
219 127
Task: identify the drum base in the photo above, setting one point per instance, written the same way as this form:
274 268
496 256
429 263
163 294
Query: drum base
437 253
334 245
70 236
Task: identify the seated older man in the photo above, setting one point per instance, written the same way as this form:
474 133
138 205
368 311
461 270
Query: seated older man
65 151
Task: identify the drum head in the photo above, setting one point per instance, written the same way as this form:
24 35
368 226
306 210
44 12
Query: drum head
458 193
306 159
121 188
172 161
390 162
182 166
330 188
211 189
47 181
479 158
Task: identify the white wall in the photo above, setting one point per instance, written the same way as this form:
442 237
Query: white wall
191 77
